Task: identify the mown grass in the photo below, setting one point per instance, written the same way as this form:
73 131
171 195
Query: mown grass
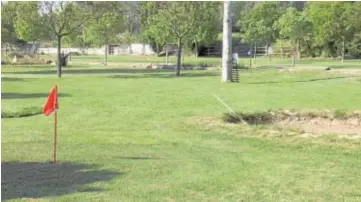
258 62
126 135
25 112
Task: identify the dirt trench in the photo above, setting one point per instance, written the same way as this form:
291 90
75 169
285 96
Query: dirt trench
312 122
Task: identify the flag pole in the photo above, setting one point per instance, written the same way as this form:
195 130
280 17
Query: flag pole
51 106
55 122
55 134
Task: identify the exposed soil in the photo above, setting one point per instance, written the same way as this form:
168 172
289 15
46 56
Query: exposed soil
347 71
350 127
307 123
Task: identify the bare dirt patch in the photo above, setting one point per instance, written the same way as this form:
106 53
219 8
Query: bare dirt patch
349 128
346 71
120 64
308 123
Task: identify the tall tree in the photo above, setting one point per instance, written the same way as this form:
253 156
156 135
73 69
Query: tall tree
28 23
355 44
61 19
176 20
131 23
206 30
295 26
8 18
240 11
105 26
258 24
152 31
332 22
227 43
23 21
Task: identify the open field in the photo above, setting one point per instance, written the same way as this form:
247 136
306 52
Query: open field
258 62
135 134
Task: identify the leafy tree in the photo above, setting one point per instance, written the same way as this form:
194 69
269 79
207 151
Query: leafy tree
295 26
152 31
28 23
206 30
78 38
62 19
8 11
240 11
106 25
332 22
131 23
177 20
355 44
22 21
258 24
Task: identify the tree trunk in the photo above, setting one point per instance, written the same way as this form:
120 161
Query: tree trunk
34 49
179 56
166 54
298 50
157 48
343 50
105 54
294 56
58 64
227 43
182 57
255 52
268 51
196 50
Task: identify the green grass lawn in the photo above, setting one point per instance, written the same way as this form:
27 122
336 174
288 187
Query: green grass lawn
258 62
129 134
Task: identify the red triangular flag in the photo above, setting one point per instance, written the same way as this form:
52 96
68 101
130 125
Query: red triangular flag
52 102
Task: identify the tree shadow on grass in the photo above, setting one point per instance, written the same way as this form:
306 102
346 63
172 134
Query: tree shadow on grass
97 71
29 95
139 158
128 72
171 75
12 79
303 81
35 180
345 66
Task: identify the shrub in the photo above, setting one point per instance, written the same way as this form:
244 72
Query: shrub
340 114
17 54
251 118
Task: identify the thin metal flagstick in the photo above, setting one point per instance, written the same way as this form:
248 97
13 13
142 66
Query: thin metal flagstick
55 123
55 134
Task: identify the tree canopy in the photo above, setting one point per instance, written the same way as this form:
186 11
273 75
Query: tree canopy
330 29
